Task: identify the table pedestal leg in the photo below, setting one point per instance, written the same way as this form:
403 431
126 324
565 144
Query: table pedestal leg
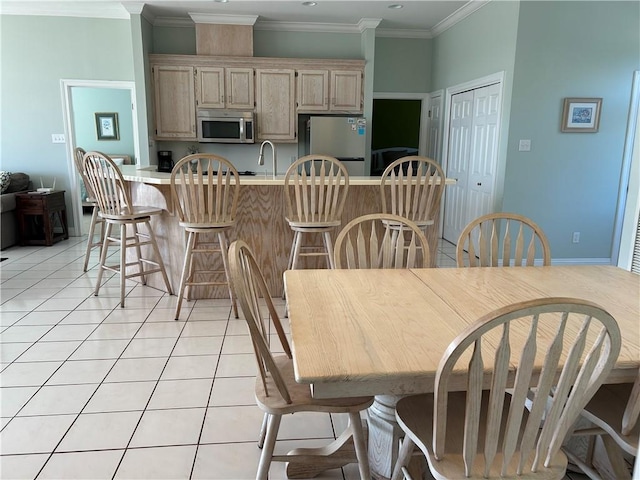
384 434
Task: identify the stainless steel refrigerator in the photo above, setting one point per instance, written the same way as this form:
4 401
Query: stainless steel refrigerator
340 137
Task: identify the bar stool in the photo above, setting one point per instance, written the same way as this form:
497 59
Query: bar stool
95 218
416 185
315 189
116 208
205 190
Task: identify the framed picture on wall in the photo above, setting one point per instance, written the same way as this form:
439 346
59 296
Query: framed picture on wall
107 126
581 115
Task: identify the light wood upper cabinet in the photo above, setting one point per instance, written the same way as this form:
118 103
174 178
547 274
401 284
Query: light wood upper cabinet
313 90
346 90
275 104
329 90
239 88
218 87
268 86
174 96
210 87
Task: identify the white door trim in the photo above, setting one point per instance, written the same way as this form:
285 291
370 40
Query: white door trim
432 95
424 112
67 112
497 77
627 212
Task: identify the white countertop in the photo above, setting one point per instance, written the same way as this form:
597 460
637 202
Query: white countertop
149 175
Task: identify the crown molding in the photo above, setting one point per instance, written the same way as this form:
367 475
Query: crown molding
402 33
457 16
134 8
223 19
180 22
366 23
70 9
307 27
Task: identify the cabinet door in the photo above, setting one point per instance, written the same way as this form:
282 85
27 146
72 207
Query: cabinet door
313 90
239 88
275 104
346 90
210 87
174 94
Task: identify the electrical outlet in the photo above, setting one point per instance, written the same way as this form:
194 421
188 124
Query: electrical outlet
57 138
524 146
576 237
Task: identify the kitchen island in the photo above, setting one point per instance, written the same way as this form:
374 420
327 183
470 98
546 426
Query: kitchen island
260 223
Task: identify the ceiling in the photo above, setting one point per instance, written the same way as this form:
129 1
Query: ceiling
417 16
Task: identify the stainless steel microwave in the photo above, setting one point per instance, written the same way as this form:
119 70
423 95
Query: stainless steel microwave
225 126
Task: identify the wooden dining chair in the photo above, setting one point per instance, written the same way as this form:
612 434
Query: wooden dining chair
117 209
276 391
315 189
502 239
415 185
614 412
381 240
205 189
512 425
78 155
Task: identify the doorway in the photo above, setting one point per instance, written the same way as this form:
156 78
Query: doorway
626 242
399 128
81 100
470 151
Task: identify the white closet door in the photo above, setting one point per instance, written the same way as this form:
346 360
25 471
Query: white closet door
473 151
457 165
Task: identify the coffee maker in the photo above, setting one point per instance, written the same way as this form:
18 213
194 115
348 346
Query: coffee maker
165 162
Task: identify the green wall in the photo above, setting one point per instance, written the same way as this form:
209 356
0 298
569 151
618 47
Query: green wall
174 40
37 52
569 182
481 44
87 102
402 65
269 43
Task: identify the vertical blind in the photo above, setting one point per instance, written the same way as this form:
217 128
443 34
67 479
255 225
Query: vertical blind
635 262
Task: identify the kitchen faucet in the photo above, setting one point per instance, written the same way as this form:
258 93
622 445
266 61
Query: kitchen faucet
261 156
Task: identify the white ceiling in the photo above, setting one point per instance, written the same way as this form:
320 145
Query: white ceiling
421 17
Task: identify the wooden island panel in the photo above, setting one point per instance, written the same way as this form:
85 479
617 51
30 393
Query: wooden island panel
260 223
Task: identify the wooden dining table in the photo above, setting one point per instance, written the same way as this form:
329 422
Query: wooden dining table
383 332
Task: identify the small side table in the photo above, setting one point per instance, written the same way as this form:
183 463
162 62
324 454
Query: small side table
38 215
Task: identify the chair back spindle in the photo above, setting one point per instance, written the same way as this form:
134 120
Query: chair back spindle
315 190
205 190
107 184
381 241
502 239
416 185
540 407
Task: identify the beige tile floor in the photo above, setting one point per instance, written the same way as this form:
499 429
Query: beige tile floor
93 391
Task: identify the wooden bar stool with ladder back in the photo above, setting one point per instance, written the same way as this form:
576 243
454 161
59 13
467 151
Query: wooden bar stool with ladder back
315 189
412 187
117 209
205 189
78 155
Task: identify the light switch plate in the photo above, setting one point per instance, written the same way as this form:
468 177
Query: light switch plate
524 146
57 138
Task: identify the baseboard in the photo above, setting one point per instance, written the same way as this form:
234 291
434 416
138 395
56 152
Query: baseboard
579 261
